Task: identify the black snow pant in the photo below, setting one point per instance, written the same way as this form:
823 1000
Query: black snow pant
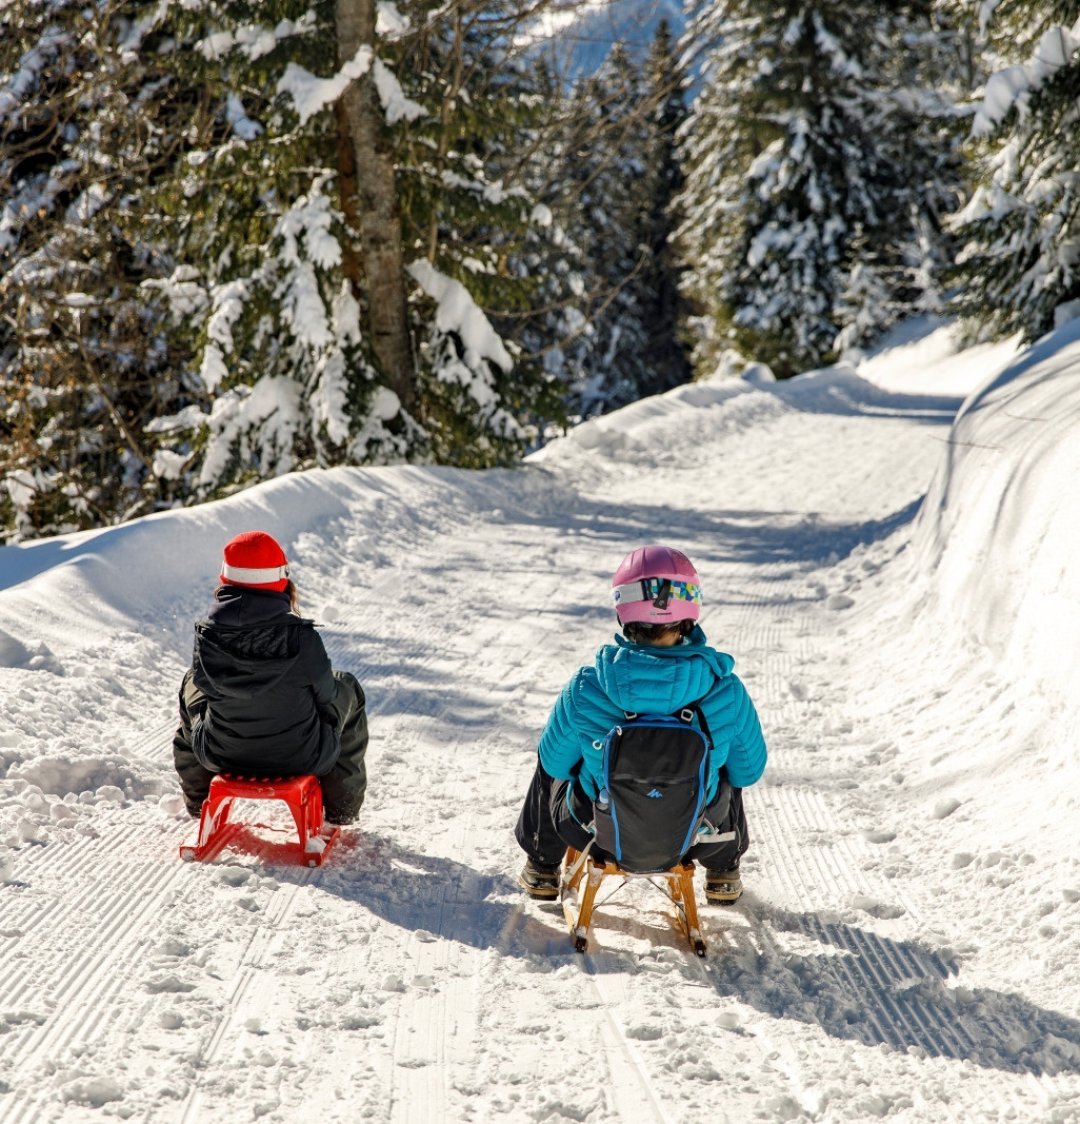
546 825
343 787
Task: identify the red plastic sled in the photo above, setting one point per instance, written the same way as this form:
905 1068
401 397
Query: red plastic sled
302 794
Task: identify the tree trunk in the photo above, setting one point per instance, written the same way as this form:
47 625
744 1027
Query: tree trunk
376 210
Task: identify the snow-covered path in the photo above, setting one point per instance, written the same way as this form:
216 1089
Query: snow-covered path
408 979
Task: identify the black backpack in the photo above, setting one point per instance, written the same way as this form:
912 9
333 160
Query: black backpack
652 789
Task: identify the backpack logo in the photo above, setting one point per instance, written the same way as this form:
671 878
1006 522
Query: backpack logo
656 794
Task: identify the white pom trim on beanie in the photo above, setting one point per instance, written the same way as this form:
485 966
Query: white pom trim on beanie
247 575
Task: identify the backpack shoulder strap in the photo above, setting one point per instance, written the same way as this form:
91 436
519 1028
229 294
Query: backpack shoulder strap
696 708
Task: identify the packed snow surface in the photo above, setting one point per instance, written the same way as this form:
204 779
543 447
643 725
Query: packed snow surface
888 550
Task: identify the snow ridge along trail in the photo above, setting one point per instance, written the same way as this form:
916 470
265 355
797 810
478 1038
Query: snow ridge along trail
408 980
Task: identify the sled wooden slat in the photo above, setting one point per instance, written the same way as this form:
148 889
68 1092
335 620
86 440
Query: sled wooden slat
585 878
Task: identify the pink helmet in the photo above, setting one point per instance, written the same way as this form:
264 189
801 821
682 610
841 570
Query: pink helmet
656 585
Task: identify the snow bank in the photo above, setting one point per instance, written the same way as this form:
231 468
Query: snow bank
998 534
59 594
652 427
926 355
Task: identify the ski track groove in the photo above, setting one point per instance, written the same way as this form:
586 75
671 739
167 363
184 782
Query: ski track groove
157 742
869 968
787 813
87 984
87 988
925 1028
418 1078
74 982
625 1105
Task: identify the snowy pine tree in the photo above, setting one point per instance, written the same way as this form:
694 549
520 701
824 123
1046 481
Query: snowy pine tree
614 327
267 290
807 176
1020 267
84 364
605 163
666 359
399 190
468 214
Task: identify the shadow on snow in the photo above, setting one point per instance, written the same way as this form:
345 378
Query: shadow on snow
858 985
853 983
750 537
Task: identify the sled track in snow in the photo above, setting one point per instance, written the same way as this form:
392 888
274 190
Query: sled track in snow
238 989
435 1029
635 1095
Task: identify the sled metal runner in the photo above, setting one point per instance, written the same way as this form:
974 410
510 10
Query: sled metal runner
581 879
302 795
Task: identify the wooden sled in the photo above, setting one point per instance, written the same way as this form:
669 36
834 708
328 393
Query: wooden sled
583 870
302 794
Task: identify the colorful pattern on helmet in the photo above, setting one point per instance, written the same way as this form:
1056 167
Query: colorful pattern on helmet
649 589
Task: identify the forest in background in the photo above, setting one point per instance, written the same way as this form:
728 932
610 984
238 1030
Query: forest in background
239 239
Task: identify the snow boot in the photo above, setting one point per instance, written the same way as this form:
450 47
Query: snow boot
539 881
723 887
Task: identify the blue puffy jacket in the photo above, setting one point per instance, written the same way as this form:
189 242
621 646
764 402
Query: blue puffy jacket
643 679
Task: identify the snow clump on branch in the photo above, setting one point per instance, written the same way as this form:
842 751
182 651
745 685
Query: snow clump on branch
1014 85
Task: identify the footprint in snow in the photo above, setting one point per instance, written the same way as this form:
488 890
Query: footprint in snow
879 836
169 985
883 911
945 808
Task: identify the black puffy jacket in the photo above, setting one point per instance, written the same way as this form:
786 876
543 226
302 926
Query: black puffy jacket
268 686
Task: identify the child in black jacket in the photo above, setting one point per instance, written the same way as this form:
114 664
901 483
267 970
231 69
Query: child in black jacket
261 697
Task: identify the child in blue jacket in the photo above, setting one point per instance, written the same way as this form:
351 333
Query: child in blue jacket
660 665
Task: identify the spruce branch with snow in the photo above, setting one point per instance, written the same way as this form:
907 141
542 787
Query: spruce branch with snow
1019 270
83 360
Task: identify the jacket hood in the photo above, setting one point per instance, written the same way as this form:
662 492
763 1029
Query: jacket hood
641 678
240 607
247 644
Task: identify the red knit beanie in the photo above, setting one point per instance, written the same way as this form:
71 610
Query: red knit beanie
254 559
